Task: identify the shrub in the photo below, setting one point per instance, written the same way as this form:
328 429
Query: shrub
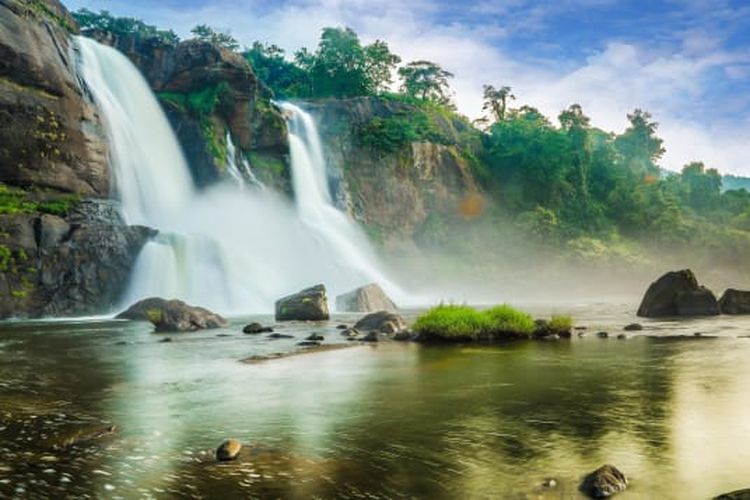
511 321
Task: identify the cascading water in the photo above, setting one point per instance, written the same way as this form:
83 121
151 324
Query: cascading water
240 172
231 249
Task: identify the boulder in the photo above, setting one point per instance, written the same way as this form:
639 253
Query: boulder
228 450
604 482
368 298
633 327
382 322
172 315
677 293
310 304
735 302
256 328
735 495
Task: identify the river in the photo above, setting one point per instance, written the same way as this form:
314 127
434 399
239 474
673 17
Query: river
375 421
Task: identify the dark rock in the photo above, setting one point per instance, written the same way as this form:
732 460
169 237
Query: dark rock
308 343
550 338
622 336
580 328
256 328
310 304
677 293
735 495
228 450
370 337
604 482
368 298
382 322
602 335
735 302
165 339
280 336
543 330
341 327
223 335
315 336
403 336
633 327
172 315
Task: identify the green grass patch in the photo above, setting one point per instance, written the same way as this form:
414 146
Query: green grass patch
453 323
17 201
560 324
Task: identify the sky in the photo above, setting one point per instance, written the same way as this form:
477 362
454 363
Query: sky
685 61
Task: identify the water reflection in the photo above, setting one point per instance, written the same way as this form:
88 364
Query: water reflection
385 421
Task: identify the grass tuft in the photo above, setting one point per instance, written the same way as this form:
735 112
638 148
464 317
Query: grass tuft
454 323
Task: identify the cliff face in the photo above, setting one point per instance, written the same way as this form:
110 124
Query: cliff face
61 253
401 191
206 92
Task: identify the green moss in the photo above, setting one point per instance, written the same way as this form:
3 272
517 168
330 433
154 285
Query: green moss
560 324
154 315
6 259
18 201
39 8
266 166
454 323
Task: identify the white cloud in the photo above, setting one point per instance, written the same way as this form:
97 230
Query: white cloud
610 83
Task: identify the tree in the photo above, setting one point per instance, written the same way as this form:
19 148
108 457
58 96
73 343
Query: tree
576 126
639 145
206 33
496 101
379 66
425 80
104 21
285 78
703 185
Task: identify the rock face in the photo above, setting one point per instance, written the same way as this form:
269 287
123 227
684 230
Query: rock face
735 302
367 298
173 315
604 482
55 266
677 293
382 322
403 195
180 71
735 495
51 136
310 304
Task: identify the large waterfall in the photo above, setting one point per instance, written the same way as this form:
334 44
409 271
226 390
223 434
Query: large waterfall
232 247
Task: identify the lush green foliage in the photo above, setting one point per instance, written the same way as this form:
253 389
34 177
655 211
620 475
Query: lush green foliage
104 21
206 33
462 323
17 201
560 324
425 80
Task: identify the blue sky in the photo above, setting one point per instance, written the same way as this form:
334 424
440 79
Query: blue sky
686 61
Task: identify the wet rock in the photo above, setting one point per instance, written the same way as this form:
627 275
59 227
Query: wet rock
280 336
350 332
403 336
315 337
622 336
604 482
223 335
370 337
735 302
382 322
228 450
368 298
310 304
580 328
308 343
735 495
677 293
602 335
253 328
633 327
341 327
165 340
550 338
173 315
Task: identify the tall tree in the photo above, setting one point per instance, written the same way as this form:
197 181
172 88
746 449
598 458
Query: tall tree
425 80
379 65
639 145
206 33
496 101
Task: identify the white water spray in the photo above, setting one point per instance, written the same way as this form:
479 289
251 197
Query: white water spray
240 172
230 249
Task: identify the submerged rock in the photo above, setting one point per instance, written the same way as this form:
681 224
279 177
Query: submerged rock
633 327
735 302
228 450
280 336
308 343
350 332
604 482
172 315
315 337
310 304
382 322
677 293
253 328
602 335
368 298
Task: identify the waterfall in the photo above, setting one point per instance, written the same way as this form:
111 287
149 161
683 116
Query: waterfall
231 249
240 173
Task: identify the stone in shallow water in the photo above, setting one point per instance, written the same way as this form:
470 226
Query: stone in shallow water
228 450
381 322
604 482
256 328
633 327
735 495
310 304
315 337
368 298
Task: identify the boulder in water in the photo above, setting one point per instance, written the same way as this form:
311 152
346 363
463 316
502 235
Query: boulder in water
735 302
604 482
382 322
677 293
228 450
368 298
253 328
310 304
633 327
735 495
172 315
